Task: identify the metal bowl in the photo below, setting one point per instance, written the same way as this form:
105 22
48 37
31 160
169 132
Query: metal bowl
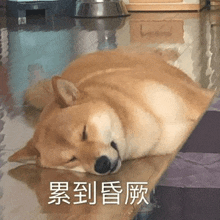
100 8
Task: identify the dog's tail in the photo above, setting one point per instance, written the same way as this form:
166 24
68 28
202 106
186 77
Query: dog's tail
39 94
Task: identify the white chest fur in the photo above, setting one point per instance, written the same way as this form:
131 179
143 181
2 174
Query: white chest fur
164 129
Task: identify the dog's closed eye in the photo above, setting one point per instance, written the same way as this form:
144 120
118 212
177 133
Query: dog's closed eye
72 159
84 134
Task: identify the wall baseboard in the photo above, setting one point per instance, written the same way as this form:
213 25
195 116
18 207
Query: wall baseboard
163 7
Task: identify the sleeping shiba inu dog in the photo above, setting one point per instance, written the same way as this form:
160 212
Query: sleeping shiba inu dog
111 106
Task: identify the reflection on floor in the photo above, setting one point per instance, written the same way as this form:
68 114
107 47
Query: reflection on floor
190 188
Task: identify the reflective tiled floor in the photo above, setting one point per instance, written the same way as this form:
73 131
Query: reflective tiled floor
190 188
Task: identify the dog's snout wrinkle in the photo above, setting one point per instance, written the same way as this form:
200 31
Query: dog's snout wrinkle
114 145
102 165
114 166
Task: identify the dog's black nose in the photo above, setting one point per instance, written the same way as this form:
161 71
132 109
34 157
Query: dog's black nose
102 165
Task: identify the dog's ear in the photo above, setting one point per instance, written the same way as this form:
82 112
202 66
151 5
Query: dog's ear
29 152
65 92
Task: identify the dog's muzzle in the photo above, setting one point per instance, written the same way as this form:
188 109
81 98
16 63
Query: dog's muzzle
103 165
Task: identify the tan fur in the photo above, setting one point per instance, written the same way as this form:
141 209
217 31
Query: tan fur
137 100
